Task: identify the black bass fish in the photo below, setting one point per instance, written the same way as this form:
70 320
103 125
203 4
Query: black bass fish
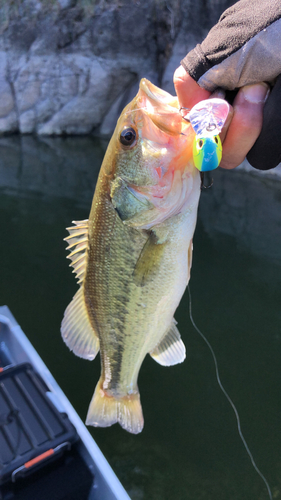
133 256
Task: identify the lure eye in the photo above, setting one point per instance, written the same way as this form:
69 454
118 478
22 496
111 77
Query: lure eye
128 136
216 139
200 143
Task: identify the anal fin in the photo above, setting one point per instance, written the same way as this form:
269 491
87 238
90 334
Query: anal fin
76 329
171 349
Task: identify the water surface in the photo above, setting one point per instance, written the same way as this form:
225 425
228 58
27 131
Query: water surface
189 448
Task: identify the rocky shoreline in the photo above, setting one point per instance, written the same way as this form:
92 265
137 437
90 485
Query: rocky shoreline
68 67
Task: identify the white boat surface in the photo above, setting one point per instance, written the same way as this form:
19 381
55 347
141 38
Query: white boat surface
14 343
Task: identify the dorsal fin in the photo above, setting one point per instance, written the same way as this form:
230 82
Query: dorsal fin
76 328
78 244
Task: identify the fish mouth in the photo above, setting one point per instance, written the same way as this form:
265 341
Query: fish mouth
161 107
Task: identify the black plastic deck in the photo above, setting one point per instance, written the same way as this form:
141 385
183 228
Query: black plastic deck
30 425
68 478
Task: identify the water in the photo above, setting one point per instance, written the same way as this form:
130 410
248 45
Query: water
189 448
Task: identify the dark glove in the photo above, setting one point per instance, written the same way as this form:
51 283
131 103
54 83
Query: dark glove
242 49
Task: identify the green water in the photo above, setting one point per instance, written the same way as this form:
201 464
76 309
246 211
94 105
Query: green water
189 448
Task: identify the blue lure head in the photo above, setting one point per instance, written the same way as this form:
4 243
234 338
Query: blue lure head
207 152
207 119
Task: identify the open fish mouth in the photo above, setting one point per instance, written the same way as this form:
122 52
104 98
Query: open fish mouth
161 107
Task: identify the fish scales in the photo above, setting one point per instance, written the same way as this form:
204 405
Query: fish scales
137 261
129 311
115 255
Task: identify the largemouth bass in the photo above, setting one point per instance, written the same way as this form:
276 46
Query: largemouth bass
133 256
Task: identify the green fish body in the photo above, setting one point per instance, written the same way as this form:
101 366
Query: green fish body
133 255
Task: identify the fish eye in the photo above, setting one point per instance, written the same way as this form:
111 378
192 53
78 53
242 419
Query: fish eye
128 136
216 139
200 143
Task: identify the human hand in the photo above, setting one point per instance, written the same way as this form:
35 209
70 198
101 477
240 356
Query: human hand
244 123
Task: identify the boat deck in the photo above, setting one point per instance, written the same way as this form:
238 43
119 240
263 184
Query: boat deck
82 471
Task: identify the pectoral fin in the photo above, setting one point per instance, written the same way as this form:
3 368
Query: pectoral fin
149 261
144 219
171 349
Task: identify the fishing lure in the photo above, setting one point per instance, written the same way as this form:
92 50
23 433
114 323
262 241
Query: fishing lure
207 119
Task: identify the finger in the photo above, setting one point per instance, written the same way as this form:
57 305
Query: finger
188 91
266 152
246 124
227 124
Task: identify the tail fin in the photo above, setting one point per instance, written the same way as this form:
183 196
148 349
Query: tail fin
106 410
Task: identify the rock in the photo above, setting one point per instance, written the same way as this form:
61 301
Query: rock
28 95
66 4
8 115
94 94
110 120
184 43
9 123
68 66
6 98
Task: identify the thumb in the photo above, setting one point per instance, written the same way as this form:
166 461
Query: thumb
188 91
266 152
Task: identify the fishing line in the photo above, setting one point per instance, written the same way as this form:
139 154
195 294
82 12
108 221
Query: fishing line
229 399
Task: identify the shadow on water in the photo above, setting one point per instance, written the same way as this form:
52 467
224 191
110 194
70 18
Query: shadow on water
189 448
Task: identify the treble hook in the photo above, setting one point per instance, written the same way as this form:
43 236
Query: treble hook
202 182
184 112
